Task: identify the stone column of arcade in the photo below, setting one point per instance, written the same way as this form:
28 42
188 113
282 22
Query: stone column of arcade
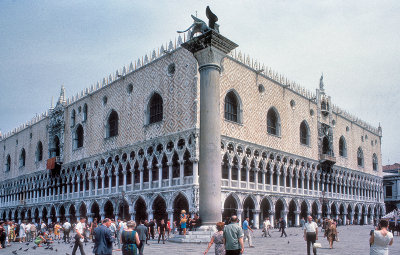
209 49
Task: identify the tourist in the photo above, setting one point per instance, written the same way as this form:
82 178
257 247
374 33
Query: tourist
22 232
93 226
161 231
266 227
12 235
233 237
130 239
6 227
168 227
282 227
32 232
146 224
302 222
120 227
142 231
79 236
113 228
151 226
381 239
331 233
67 228
41 239
2 236
310 234
57 228
103 239
218 239
43 227
246 230
195 222
183 218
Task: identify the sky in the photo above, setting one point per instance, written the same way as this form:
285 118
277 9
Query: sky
355 44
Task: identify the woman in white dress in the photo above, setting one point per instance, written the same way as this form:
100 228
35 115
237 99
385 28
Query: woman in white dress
22 232
381 239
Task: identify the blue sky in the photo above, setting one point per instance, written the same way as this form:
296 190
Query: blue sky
44 44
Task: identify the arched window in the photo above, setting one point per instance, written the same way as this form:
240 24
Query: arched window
39 152
231 107
360 157
304 133
8 163
155 109
73 116
78 137
342 147
273 122
85 112
374 162
22 157
112 124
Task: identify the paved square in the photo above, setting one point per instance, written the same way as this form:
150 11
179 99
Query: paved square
353 241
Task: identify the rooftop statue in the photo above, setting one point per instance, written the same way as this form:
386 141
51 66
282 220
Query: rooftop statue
199 26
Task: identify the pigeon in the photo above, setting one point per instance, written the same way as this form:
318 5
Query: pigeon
14 252
20 248
26 249
51 248
56 250
27 244
288 242
46 248
66 253
34 247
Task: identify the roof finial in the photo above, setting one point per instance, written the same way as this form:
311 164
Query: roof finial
321 82
52 104
61 99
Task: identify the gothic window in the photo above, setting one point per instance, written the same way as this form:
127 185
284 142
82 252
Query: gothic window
374 162
325 146
188 165
78 137
360 157
304 133
232 109
85 113
112 124
273 122
155 109
73 116
39 152
22 158
8 164
342 147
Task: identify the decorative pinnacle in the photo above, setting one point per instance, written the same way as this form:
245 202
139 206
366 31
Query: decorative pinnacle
321 82
61 99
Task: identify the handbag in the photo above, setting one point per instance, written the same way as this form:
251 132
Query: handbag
317 245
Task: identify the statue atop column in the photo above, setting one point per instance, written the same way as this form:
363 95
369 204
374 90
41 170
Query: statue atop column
199 26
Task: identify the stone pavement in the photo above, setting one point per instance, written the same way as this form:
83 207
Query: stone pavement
353 241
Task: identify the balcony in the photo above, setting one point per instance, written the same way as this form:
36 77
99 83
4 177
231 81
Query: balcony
327 158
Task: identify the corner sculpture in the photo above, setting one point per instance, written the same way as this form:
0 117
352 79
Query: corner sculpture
199 26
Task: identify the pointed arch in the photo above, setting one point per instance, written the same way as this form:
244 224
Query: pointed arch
233 106
304 133
273 122
155 109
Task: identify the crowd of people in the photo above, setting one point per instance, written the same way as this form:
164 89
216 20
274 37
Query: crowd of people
129 238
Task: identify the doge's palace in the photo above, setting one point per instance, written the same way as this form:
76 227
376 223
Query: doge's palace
128 147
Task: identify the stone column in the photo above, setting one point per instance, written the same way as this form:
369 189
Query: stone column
209 49
272 218
160 176
256 219
150 169
239 215
169 174
141 169
124 172
229 175
297 218
181 171
195 163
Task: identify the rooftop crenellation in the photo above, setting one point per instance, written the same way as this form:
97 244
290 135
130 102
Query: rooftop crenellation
167 49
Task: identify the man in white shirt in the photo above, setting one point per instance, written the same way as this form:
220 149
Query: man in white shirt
266 227
79 238
67 228
310 234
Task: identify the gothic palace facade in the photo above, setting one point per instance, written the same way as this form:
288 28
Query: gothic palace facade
128 147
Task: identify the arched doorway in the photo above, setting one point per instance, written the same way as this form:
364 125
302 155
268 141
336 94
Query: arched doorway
4 216
314 209
53 216
140 210
95 211
36 215
72 214
29 215
16 215
180 203
160 209
333 211
349 212
82 211
44 215
362 221
230 207
341 213
304 210
291 218
248 207
62 214
356 215
369 216
324 210
23 215
279 207
123 210
265 209
109 210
